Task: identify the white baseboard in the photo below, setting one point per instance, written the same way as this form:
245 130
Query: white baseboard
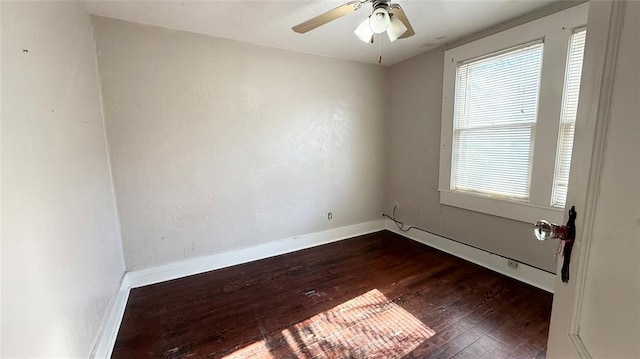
524 273
198 265
106 341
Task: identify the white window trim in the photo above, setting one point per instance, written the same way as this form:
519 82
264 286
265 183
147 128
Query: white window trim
556 30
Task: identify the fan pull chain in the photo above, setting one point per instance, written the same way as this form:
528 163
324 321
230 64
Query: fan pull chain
379 49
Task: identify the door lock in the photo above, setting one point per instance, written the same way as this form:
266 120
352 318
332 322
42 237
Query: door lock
545 230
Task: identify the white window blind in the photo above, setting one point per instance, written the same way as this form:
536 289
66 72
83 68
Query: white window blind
495 115
568 119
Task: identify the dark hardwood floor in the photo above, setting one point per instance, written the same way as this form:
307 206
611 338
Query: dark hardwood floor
373 296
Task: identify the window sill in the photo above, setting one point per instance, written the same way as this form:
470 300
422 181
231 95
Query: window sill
519 211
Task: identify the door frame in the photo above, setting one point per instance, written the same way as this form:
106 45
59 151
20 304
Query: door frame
604 25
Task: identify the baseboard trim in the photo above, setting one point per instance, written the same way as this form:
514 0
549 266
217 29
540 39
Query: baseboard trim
198 265
104 346
524 273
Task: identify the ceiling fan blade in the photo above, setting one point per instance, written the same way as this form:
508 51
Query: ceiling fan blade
397 11
328 16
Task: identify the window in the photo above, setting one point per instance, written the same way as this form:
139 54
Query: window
508 118
495 117
568 120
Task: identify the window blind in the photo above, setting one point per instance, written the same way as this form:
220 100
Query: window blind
495 114
568 119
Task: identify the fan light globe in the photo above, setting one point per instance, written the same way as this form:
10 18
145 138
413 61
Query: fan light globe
379 21
396 29
363 31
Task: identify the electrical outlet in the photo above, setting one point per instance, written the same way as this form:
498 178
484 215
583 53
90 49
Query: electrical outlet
513 264
329 216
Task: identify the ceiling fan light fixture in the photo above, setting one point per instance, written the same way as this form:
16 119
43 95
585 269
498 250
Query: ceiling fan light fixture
379 21
364 32
396 29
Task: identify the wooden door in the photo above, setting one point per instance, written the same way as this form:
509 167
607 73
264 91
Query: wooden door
597 314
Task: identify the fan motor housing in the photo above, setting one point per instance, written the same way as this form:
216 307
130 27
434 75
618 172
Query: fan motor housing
380 4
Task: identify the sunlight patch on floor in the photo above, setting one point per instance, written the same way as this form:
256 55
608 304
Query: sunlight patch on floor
368 326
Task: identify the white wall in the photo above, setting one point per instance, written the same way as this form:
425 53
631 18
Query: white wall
219 145
61 250
412 168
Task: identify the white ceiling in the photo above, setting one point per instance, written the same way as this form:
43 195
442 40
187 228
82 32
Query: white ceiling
269 22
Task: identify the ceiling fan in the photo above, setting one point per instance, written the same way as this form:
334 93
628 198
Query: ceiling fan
386 17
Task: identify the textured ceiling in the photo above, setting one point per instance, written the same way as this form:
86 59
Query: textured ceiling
269 22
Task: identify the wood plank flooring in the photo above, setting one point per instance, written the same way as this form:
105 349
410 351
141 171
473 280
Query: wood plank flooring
373 296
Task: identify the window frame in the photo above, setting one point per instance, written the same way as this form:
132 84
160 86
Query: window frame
555 31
